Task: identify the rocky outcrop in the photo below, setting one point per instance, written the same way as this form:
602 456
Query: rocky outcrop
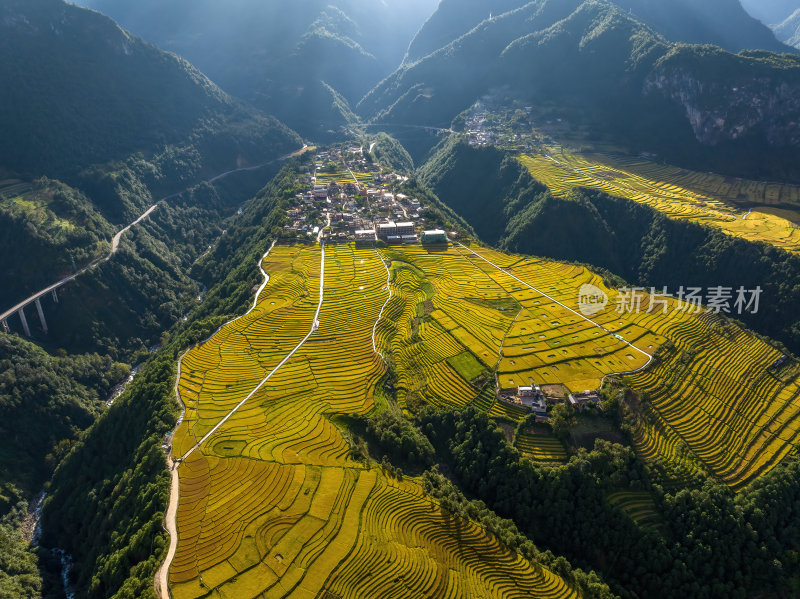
729 109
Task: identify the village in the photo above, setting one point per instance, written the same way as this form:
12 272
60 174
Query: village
347 197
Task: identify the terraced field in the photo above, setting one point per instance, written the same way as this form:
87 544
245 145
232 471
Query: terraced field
516 333
639 506
714 400
712 395
541 448
272 505
756 211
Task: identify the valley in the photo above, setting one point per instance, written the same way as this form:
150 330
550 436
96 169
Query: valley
273 500
434 298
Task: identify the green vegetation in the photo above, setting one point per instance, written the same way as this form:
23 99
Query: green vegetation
394 437
46 229
73 89
607 59
711 542
285 59
467 366
45 402
108 495
387 150
19 571
634 241
639 506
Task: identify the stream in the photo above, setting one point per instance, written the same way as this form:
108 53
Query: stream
32 531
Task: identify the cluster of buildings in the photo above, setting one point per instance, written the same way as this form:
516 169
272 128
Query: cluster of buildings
346 197
533 398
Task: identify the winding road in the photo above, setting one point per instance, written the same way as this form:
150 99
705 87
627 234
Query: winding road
170 518
116 239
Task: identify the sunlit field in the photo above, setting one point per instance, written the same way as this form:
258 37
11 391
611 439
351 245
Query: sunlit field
755 211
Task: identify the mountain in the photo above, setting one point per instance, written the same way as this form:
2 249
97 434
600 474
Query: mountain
78 77
98 126
508 208
789 30
617 79
770 11
720 22
283 57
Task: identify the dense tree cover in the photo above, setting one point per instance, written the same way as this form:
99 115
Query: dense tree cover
485 186
720 22
302 62
86 92
617 80
45 401
19 570
454 502
388 151
392 437
435 211
44 234
109 494
647 248
714 544
123 305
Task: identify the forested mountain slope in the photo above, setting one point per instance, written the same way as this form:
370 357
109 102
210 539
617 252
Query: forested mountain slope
296 60
617 80
85 91
720 22
507 207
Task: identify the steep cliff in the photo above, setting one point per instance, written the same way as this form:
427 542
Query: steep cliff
729 97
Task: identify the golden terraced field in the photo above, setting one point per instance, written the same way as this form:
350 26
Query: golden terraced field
272 505
707 199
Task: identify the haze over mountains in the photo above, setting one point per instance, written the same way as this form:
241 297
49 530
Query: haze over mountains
770 12
79 76
721 22
295 60
617 76
789 30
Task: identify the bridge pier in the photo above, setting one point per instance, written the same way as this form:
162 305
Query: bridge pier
24 320
5 327
41 315
55 295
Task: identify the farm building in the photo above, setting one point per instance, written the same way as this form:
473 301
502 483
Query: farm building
434 236
581 400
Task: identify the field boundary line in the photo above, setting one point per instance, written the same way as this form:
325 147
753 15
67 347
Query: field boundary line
383 308
314 328
650 357
161 581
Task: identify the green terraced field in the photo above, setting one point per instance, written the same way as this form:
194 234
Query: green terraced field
541 448
639 506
